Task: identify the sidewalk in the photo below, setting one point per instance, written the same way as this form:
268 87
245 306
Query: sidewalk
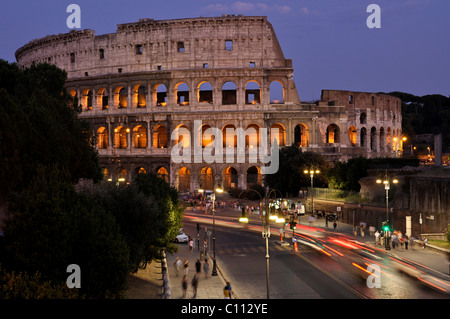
428 257
209 287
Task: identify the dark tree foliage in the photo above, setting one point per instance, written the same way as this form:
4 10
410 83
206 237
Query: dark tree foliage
428 114
148 215
38 126
50 226
290 178
170 213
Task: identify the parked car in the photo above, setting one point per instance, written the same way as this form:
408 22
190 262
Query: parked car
181 237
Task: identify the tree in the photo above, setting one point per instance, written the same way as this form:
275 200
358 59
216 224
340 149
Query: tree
148 214
38 126
51 226
290 178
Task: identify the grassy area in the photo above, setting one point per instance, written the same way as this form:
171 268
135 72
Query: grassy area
440 243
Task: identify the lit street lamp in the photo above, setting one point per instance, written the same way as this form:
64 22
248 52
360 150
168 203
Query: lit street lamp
387 185
213 197
311 173
265 229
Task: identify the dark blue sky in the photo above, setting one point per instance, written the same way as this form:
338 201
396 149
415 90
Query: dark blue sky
328 41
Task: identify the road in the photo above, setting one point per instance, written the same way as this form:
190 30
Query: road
325 266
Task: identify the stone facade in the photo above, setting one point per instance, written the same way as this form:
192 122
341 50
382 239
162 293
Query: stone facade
139 86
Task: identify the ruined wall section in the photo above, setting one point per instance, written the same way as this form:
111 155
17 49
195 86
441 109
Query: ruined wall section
151 45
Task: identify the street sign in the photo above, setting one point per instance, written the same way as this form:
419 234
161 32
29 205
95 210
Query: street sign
294 239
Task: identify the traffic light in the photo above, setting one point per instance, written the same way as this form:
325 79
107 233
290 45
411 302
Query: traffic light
385 226
292 224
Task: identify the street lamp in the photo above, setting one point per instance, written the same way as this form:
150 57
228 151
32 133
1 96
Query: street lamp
265 232
218 190
387 185
311 173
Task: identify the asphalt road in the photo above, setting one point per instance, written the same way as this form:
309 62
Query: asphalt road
309 273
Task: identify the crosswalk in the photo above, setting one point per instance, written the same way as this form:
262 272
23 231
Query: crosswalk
245 249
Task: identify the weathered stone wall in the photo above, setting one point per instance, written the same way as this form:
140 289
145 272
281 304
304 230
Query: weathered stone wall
138 85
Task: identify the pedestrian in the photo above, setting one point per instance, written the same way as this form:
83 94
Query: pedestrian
394 240
194 284
377 238
206 267
425 242
184 285
198 266
334 225
406 241
186 267
205 246
227 291
191 244
177 264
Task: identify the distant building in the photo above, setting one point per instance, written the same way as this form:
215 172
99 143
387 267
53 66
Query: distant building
151 78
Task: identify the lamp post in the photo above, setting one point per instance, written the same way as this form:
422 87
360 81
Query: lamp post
311 173
219 190
265 232
387 185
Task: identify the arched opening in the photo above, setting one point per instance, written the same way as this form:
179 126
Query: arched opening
161 95
229 136
253 176
382 140
301 135
332 134
106 174
122 175
252 136
276 92
163 174
252 93
388 137
183 180
102 138
103 98
363 137
207 178
352 134
363 118
160 139
182 135
121 96
139 137
140 96
141 170
278 132
87 99
373 140
205 93
230 178
206 137
229 93
182 93
120 137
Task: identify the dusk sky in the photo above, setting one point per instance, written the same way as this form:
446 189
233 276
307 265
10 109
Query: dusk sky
329 42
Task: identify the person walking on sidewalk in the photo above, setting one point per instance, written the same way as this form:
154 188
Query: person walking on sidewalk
194 284
191 244
377 238
227 291
198 267
406 241
206 267
184 285
177 264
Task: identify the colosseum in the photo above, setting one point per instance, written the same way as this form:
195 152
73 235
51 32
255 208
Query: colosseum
141 86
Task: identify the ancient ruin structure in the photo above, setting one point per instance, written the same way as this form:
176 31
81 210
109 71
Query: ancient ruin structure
139 86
